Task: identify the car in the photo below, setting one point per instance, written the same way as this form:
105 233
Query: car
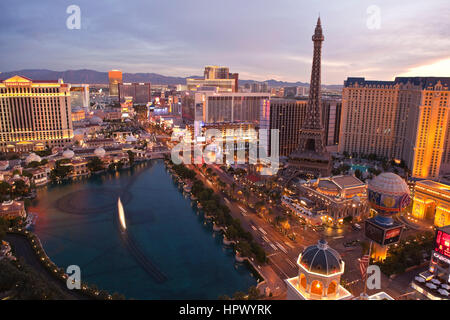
356 227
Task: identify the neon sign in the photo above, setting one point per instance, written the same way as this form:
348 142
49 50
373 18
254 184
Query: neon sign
442 245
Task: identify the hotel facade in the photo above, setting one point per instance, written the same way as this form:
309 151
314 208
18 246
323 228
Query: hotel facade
34 114
402 119
115 78
287 116
431 202
216 77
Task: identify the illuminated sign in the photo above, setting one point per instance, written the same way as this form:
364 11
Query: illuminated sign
374 232
15 84
438 256
442 244
393 235
382 235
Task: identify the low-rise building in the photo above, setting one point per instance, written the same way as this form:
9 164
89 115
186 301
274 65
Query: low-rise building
12 209
319 275
39 175
338 197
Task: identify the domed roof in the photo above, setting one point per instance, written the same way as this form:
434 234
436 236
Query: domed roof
95 120
320 258
68 154
32 157
131 138
99 152
389 183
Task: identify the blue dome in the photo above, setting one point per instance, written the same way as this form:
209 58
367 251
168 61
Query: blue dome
320 258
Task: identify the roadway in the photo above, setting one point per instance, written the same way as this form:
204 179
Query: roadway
282 252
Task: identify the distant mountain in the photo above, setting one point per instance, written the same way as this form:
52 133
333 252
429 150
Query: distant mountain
92 76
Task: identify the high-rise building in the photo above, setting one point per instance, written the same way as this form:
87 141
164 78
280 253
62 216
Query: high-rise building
216 72
331 120
290 91
402 119
259 87
34 114
286 115
302 91
212 107
79 95
139 92
311 155
115 77
216 77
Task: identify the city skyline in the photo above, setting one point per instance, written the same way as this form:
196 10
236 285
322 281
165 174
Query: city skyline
261 43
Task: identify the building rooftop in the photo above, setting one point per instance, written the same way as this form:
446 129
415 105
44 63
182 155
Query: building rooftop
423 82
434 185
347 181
322 259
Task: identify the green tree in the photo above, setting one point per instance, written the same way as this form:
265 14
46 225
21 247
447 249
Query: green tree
95 164
130 157
239 295
244 248
5 188
20 188
3 228
61 170
253 293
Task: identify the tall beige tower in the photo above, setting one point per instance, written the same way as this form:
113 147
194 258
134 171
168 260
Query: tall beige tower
405 119
34 115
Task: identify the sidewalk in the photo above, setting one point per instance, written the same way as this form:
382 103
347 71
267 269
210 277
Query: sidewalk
271 280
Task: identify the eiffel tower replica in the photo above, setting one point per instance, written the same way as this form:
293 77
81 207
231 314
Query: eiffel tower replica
311 155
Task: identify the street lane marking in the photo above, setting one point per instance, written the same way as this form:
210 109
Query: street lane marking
262 231
289 245
242 209
265 239
227 201
254 228
273 247
281 247
291 263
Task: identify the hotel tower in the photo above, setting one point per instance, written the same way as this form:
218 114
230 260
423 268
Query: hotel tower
115 78
34 114
407 119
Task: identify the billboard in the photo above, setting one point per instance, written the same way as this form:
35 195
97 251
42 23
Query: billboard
374 232
393 235
383 235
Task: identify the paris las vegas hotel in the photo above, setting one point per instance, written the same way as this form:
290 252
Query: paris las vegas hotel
34 114
407 118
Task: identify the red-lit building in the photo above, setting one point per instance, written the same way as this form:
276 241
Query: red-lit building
435 282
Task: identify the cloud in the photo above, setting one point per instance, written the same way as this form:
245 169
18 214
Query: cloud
260 39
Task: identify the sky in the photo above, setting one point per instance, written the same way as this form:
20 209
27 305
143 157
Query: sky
259 39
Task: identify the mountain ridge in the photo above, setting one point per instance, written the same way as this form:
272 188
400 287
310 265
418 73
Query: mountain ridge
89 76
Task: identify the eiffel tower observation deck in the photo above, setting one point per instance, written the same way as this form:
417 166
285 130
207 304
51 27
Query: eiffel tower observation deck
311 155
